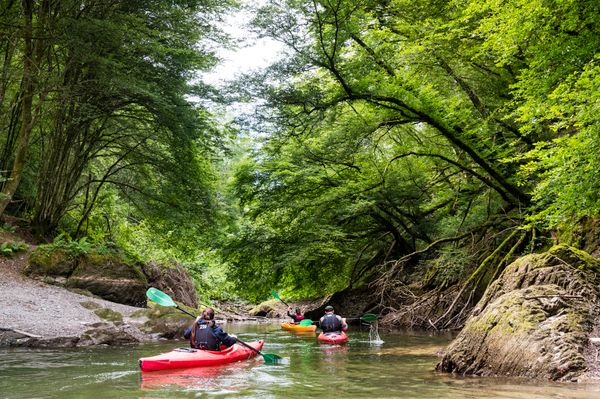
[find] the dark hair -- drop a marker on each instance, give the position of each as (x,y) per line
(208,314)
(298,311)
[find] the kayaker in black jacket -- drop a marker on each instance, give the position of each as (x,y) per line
(297,317)
(206,334)
(331,322)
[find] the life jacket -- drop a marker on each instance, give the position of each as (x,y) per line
(298,317)
(203,336)
(330,323)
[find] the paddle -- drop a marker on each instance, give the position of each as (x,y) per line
(163,299)
(276,296)
(368,317)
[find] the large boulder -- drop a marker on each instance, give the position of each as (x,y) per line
(110,277)
(173,280)
(534,321)
(53,263)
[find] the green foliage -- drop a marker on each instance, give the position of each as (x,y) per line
(10,248)
(7,227)
(75,247)
(567,169)
(450,266)
(386,138)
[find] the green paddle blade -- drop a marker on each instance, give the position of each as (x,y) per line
(369,317)
(271,358)
(306,322)
(275,295)
(160,297)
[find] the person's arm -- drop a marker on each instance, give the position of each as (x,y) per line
(187,333)
(222,336)
(344,324)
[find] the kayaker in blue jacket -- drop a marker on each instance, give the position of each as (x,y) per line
(206,334)
(297,317)
(331,322)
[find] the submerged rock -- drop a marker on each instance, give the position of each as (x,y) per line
(534,321)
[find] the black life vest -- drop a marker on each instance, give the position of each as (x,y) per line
(330,323)
(204,338)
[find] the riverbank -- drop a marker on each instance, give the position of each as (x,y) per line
(36,314)
(38,310)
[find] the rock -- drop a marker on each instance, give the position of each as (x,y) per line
(173,280)
(16,338)
(110,277)
(106,334)
(534,321)
(46,261)
(269,308)
(163,322)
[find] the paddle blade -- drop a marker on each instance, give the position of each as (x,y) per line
(306,322)
(275,295)
(271,358)
(369,317)
(160,297)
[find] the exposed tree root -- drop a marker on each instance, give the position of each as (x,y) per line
(442,308)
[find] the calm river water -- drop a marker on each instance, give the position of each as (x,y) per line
(401,367)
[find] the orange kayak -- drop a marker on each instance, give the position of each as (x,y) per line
(298,327)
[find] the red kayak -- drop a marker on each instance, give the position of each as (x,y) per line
(333,337)
(188,357)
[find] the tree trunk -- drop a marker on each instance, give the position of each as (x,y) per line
(26,110)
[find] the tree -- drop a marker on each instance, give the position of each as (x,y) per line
(118,109)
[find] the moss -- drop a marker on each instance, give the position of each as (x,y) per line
(51,262)
(576,257)
(91,305)
(109,314)
(265,308)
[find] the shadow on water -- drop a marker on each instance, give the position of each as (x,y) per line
(400,367)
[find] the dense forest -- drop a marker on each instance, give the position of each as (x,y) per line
(412,147)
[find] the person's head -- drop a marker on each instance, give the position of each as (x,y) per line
(298,311)
(208,314)
(328,309)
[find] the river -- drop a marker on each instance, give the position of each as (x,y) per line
(400,367)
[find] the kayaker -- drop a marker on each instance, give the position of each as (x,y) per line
(331,322)
(206,334)
(297,316)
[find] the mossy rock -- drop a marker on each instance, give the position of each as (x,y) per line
(90,305)
(537,332)
(173,280)
(576,258)
(56,262)
(110,277)
(533,321)
(266,309)
(109,314)
(164,321)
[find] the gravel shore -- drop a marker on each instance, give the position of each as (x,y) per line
(38,309)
